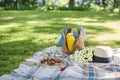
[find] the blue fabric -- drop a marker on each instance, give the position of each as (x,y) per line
(58,76)
(15,74)
(75,34)
(90,72)
(32,72)
(83,32)
(62,38)
(45,78)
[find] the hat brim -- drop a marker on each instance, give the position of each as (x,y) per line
(102,60)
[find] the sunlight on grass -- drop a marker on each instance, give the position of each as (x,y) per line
(104,37)
(31,16)
(46,38)
(13,39)
(40,23)
(9,25)
(113,24)
(7,18)
(83,21)
(112,14)
(79,19)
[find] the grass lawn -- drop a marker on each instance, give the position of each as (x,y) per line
(22,33)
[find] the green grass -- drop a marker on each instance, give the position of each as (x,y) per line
(22,33)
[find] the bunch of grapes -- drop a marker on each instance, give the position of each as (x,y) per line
(51,61)
(51,58)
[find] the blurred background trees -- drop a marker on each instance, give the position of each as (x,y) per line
(109,5)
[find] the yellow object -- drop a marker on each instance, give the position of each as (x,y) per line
(72,31)
(70,41)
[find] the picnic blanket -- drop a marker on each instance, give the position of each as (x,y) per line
(32,70)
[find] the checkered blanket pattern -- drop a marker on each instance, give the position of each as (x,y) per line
(91,71)
(75,70)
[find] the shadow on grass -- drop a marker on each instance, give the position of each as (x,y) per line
(90,43)
(22,47)
(115,43)
(58,27)
(17,47)
(48,29)
(14,52)
(97,29)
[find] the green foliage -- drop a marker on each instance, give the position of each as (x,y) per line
(46,5)
(108,5)
(80,8)
(18,4)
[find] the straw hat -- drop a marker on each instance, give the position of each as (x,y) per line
(102,54)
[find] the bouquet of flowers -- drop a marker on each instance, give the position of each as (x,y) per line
(82,55)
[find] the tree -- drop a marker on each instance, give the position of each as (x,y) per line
(116,3)
(71,3)
(18,4)
(43,2)
(108,5)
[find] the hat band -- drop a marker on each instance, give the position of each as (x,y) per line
(102,60)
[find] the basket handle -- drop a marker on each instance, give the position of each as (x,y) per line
(71,16)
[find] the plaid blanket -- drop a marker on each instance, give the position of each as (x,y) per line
(91,71)
(75,71)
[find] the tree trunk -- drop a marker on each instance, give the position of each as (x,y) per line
(44,1)
(71,3)
(103,3)
(115,4)
(18,4)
